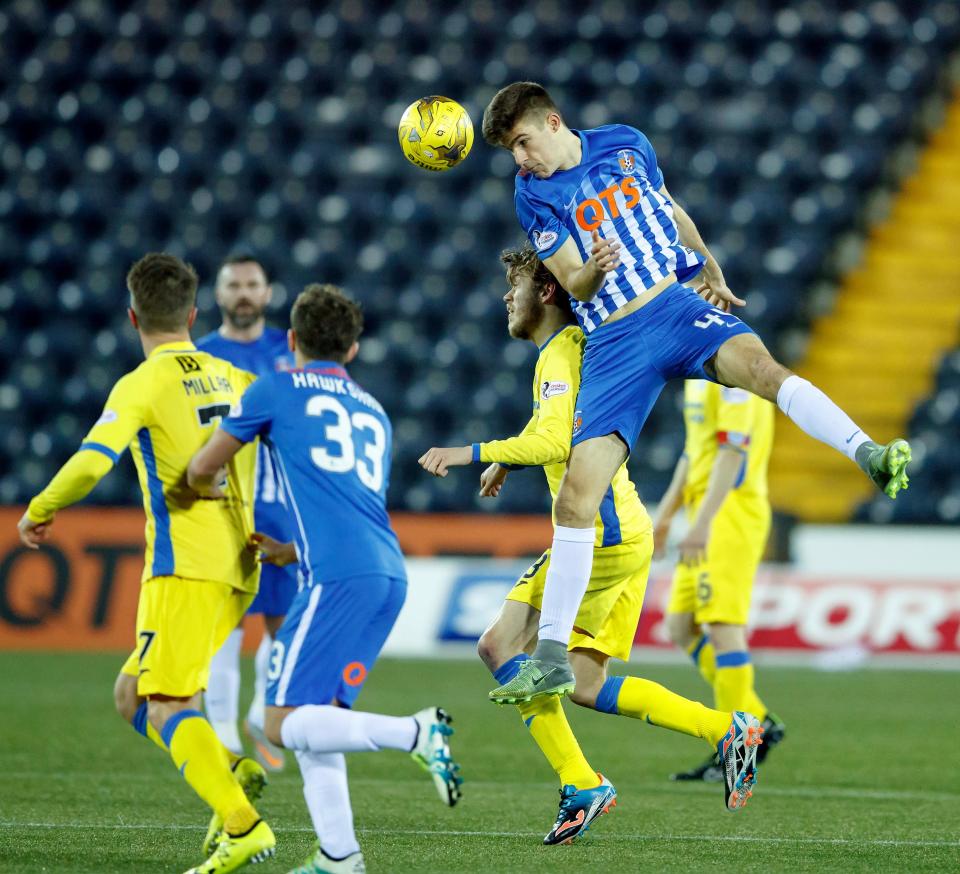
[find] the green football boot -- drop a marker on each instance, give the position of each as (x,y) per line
(535,679)
(252,778)
(886,465)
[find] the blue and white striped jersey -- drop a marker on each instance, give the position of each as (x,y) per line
(615,190)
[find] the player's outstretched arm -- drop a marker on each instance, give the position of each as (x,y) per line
(206,468)
(580,278)
(74,481)
(438,459)
(713,287)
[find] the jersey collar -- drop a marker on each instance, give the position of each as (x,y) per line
(333,368)
(177,346)
(554,334)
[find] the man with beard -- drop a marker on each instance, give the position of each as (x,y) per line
(244,339)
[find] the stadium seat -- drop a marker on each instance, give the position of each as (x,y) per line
(130,128)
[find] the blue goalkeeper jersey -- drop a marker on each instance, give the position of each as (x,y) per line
(615,189)
(331,442)
(267,354)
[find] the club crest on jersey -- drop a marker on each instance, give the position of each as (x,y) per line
(544,239)
(577,422)
(552,389)
(628,161)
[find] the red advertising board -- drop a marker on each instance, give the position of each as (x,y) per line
(794,611)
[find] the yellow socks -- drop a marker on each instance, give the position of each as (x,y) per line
(733,685)
(204,764)
(704,657)
(644,699)
(552,733)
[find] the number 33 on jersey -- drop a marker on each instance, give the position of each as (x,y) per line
(331,445)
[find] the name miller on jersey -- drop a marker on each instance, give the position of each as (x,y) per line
(334,385)
(206,385)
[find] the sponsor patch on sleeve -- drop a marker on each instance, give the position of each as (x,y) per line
(734,395)
(543,240)
(106,417)
(552,389)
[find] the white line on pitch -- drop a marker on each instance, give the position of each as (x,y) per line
(750,839)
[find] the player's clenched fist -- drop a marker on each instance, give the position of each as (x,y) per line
(438,459)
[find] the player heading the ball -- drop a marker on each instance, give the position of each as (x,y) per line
(594,205)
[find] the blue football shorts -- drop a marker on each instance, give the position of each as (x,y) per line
(331,639)
(626,364)
(278,586)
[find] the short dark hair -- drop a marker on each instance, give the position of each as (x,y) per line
(244,257)
(163,291)
(326,321)
(524,260)
(511,104)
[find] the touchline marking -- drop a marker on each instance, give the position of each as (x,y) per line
(456,833)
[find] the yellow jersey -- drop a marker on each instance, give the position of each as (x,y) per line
(715,415)
(165,410)
(546,439)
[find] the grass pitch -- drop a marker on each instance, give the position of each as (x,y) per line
(866,781)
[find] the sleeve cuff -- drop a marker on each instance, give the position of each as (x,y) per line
(476,452)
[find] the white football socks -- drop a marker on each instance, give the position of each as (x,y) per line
(571,560)
(328,799)
(261,662)
(323,728)
(813,412)
(222,698)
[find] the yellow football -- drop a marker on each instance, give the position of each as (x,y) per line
(435,133)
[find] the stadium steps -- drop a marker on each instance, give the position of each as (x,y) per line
(876,353)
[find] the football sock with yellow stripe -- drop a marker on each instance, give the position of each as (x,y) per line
(651,702)
(142,726)
(204,764)
(551,732)
(733,686)
(702,653)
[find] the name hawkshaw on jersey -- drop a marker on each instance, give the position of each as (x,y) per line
(334,385)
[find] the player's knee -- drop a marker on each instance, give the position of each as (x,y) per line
(125,697)
(491,649)
(680,629)
(585,695)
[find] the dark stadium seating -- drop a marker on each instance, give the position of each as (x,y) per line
(935,472)
(201,129)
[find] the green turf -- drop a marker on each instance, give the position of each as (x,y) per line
(867,781)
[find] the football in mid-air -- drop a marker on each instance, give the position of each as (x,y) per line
(435,133)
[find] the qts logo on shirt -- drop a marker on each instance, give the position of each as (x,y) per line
(594,211)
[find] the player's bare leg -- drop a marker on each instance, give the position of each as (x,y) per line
(590,469)
(744,362)
(269,755)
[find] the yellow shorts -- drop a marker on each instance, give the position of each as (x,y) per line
(181,623)
(610,610)
(719,588)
